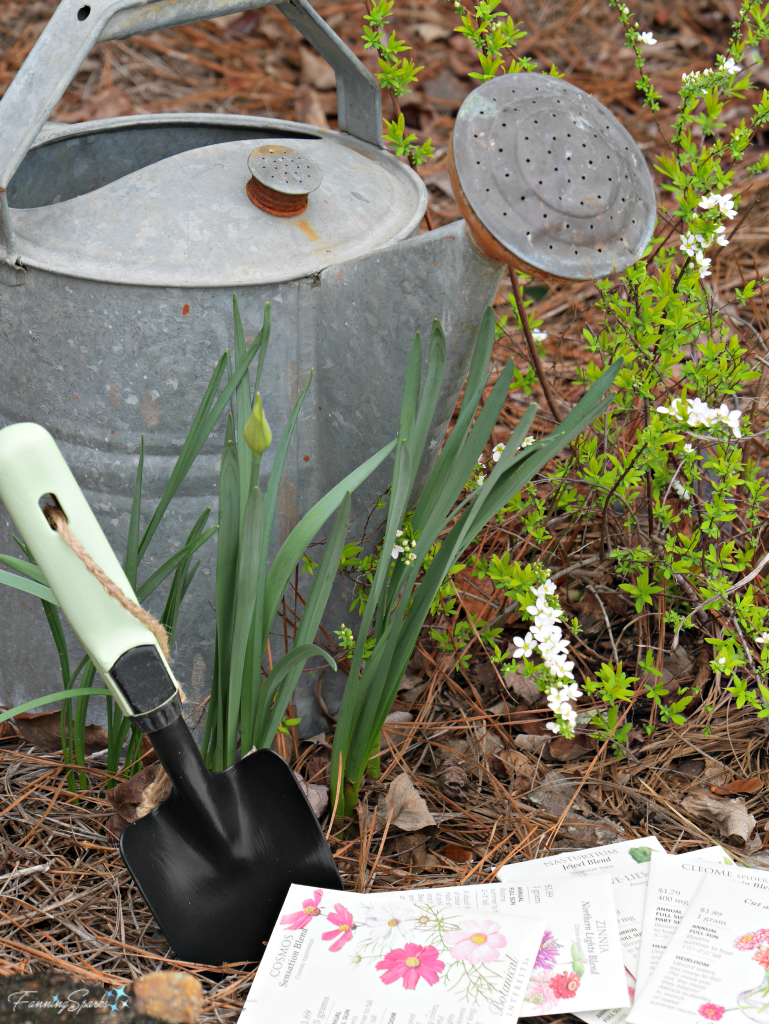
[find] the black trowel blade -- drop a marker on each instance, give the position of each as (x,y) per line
(215,875)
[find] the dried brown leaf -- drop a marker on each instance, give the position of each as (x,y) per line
(749,786)
(563,749)
(516,767)
(456,854)
(317,795)
(523,687)
(405,808)
(731,815)
(44,731)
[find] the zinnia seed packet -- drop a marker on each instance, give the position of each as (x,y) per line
(579,964)
(627,864)
(716,968)
(345,958)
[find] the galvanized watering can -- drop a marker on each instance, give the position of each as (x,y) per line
(122,241)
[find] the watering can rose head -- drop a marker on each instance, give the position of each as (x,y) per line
(257,433)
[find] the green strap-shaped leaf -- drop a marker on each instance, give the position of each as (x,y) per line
(203,423)
(26,568)
(51,698)
(477,378)
(27,586)
(131,564)
(272,705)
(248,572)
(283,669)
(153,582)
(227,542)
(296,542)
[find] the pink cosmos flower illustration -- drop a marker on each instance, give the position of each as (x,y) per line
(747,941)
(547,953)
(565,985)
(476,942)
(301,918)
(411,963)
(540,994)
(761,956)
(630,982)
(342,918)
(711,1011)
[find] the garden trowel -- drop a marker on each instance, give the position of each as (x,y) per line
(215,860)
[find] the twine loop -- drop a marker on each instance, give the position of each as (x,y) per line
(58,520)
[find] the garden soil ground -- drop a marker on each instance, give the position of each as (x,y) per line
(497,787)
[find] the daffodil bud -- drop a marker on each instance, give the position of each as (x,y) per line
(256,432)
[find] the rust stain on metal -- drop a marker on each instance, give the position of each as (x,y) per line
(149,410)
(276,203)
(305,228)
(115,397)
(185,309)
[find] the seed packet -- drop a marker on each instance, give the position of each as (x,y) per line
(610,858)
(717,965)
(627,864)
(579,964)
(673,881)
(344,958)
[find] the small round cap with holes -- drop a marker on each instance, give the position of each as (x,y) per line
(281,179)
(549,181)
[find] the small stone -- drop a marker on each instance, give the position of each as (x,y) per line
(171,996)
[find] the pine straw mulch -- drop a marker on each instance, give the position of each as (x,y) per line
(498,789)
(498,794)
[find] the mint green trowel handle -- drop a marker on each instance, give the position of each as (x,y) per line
(31,466)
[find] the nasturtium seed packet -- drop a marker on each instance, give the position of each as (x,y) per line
(346,958)
(612,858)
(579,963)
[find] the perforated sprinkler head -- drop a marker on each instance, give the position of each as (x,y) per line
(549,181)
(281,179)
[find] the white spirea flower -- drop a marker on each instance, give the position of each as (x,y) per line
(725,204)
(524,648)
(720,236)
(729,65)
(527,441)
(763,638)
(496,452)
(703,263)
(688,448)
(538,335)
(396,551)
(646,39)
(692,245)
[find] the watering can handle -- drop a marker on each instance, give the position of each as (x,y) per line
(124,651)
(76,26)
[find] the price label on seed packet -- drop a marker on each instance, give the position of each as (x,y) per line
(345,958)
(579,964)
(673,881)
(716,968)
